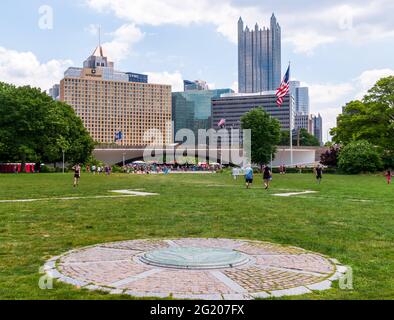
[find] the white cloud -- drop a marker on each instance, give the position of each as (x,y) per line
(356,21)
(222,14)
(23,68)
(307,41)
(329,93)
(174,79)
(368,79)
(123,40)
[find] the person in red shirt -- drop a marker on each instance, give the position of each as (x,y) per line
(388,176)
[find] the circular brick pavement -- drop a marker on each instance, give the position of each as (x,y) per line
(271,271)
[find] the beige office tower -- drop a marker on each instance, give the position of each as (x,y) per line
(110,102)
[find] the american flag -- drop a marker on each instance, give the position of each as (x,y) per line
(284,88)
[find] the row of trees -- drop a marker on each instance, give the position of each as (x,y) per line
(364,136)
(35,128)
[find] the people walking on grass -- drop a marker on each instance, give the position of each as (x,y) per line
(77,174)
(94,169)
(319,173)
(248,176)
(388,176)
(267,177)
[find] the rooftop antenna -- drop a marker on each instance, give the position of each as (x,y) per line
(99,36)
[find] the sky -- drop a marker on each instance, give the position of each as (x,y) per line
(337,48)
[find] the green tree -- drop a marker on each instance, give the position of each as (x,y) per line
(305,138)
(360,156)
(265,134)
(371,119)
(34,127)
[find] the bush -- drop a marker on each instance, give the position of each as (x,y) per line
(330,157)
(46,169)
(117,169)
(358,157)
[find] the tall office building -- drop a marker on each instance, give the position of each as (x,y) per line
(231,107)
(193,109)
(259,57)
(305,121)
(54,92)
(301,97)
(110,101)
(318,128)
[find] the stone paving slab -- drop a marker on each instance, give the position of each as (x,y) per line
(103,273)
(263,248)
(304,262)
(98,254)
(272,271)
(138,245)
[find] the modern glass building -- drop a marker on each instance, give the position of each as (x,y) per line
(318,128)
(302,100)
(259,57)
(301,97)
(192,109)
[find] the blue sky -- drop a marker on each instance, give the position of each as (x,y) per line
(337,48)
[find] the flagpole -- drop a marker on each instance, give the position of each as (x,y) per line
(291,123)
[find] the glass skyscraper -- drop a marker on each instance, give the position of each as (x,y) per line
(259,57)
(318,128)
(193,109)
(301,97)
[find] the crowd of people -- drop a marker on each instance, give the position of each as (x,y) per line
(99,169)
(247,172)
(137,168)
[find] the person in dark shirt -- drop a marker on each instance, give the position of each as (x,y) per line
(267,177)
(77,174)
(319,174)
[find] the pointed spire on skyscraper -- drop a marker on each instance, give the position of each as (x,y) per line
(98,52)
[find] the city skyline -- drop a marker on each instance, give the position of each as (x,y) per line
(323,46)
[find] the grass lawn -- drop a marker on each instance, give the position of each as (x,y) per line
(333,222)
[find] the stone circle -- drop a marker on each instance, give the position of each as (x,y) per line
(208,269)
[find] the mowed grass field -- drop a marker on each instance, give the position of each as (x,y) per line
(351,218)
